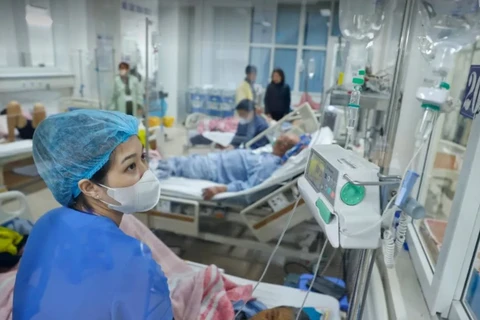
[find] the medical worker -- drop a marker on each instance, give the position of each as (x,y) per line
(250,125)
(77,263)
(127,92)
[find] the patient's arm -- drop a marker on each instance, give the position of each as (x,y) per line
(257,175)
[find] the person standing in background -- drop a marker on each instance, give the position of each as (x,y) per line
(246,90)
(127,92)
(277,97)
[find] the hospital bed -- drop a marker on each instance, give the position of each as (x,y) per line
(263,210)
(12,151)
(22,149)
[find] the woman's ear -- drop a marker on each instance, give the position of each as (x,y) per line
(90,189)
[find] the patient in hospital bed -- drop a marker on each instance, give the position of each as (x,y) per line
(235,170)
(23,122)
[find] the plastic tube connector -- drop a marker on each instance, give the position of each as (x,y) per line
(414,209)
(406,187)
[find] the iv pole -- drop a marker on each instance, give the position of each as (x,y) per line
(367,258)
(148,22)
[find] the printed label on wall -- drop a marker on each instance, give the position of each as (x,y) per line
(471,101)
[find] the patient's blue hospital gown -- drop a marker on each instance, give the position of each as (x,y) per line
(237,169)
(82,266)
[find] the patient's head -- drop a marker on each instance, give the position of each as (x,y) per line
(284,143)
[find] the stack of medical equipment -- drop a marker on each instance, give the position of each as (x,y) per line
(214,102)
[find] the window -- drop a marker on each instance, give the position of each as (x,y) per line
(40,37)
(315,84)
(262,25)
(260,57)
(316,26)
(288,24)
(288,37)
(286,60)
(472,291)
(29,42)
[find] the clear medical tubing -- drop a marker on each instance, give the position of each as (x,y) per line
(448,26)
(425,126)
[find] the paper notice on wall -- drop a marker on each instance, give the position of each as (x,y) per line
(105,52)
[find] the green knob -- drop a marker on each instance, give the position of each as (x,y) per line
(352,194)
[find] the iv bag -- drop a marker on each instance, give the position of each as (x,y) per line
(361,20)
(311,68)
(448,26)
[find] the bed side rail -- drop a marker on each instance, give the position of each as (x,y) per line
(175,222)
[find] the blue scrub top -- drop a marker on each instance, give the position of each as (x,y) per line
(82,266)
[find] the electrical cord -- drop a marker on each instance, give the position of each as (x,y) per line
(317,267)
(332,256)
(273,253)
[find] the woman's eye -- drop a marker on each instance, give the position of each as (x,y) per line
(144,156)
(132,166)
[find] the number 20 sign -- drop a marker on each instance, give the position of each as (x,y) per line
(471,100)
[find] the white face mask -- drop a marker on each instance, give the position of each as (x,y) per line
(245,121)
(140,197)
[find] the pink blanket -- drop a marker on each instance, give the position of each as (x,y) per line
(202,295)
(222,125)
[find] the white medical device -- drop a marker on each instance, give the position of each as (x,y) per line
(341,191)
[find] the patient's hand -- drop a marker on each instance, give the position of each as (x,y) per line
(209,193)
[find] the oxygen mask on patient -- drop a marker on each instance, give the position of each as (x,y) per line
(140,197)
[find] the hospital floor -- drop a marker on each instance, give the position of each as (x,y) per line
(235,261)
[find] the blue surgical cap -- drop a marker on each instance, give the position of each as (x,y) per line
(72,146)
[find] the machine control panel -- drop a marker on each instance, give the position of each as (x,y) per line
(322,176)
(340,190)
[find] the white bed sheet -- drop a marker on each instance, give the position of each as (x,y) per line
(222,138)
(192,188)
(15,148)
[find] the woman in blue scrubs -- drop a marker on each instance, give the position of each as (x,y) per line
(77,263)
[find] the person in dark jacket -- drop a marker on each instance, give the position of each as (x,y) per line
(251,124)
(277,97)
